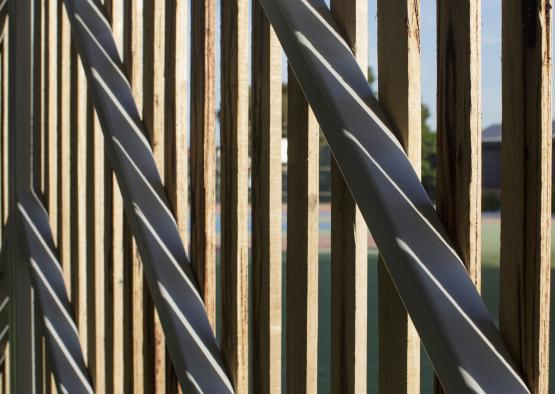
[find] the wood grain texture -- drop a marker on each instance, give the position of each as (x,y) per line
(266,205)
(142,309)
(203,152)
(177,120)
(459,128)
(3,142)
(39,99)
(154,115)
(5,112)
(119,378)
(302,242)
(54,8)
(64,151)
(349,234)
(102,241)
(526,187)
(459,143)
(399,94)
(234,192)
(83,204)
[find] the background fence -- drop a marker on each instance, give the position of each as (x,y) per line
(260,296)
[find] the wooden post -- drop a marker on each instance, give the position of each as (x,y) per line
(266,205)
(234,178)
(399,93)
(118,308)
(20,180)
(52,111)
(154,113)
(349,238)
(65,89)
(459,142)
(142,309)
(302,242)
(203,151)
(526,188)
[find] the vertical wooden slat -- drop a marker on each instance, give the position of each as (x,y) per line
(20,85)
(234,180)
(52,111)
(399,94)
(64,151)
(142,308)
(458,192)
(101,258)
(39,98)
(5,141)
(176,148)
(120,247)
(459,128)
(302,242)
(203,151)
(53,9)
(155,121)
(81,226)
(266,205)
(349,234)
(101,239)
(526,187)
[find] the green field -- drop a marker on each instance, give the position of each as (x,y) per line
(490,293)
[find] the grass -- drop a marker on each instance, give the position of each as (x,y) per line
(490,294)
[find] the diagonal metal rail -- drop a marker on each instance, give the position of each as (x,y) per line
(62,337)
(191,343)
(455,326)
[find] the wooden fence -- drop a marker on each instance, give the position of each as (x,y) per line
(111,106)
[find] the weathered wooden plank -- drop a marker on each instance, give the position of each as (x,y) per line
(234,192)
(102,241)
(20,123)
(266,205)
(5,112)
(176,149)
(39,85)
(154,114)
(54,8)
(458,191)
(203,151)
(121,244)
(349,235)
(459,128)
(399,94)
(82,262)
(142,312)
(65,90)
(302,242)
(526,186)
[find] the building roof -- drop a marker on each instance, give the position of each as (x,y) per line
(493,133)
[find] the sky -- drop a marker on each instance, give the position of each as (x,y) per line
(491,57)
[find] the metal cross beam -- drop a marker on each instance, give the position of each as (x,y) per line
(454,324)
(191,342)
(62,337)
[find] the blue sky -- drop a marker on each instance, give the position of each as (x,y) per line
(491,57)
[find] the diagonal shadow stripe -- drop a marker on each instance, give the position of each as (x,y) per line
(456,329)
(62,338)
(192,346)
